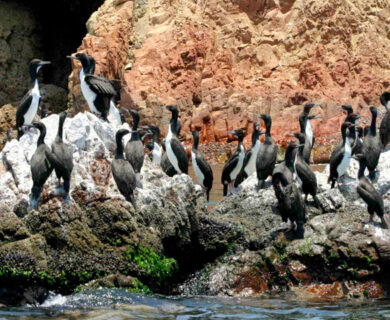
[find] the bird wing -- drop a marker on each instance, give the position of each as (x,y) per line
(229,166)
(205,168)
(181,154)
(101,86)
(23,107)
(305,173)
(123,174)
(266,156)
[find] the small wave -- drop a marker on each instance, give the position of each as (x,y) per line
(54,300)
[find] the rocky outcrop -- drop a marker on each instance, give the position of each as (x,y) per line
(340,256)
(63,245)
(222,60)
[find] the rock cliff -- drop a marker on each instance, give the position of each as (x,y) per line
(222,60)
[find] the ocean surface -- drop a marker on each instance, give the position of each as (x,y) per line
(116,304)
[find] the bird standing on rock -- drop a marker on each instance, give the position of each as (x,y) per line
(306,177)
(233,166)
(202,169)
(61,157)
(40,166)
(174,149)
(371,149)
(28,107)
(340,157)
(122,170)
(354,141)
(289,197)
(266,157)
(385,124)
(374,200)
(134,149)
(249,166)
(99,92)
(166,165)
(304,121)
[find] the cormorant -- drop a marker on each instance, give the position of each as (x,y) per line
(266,157)
(385,124)
(61,157)
(40,166)
(28,107)
(202,169)
(373,199)
(122,170)
(234,165)
(304,122)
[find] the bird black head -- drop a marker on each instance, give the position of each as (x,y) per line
(360,131)
(309,106)
(195,133)
(353,117)
(39,125)
(298,135)
(121,133)
(238,133)
(63,115)
(373,110)
(256,126)
(385,98)
(35,65)
(42,129)
(83,58)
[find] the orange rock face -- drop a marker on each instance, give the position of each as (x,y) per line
(222,61)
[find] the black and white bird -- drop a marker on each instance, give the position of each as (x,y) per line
(341,157)
(249,166)
(202,169)
(373,198)
(99,92)
(122,170)
(61,157)
(355,142)
(305,175)
(384,129)
(174,149)
(234,165)
(304,121)
(289,197)
(371,149)
(166,165)
(28,107)
(40,166)
(266,157)
(134,149)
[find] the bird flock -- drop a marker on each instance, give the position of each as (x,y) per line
(291,179)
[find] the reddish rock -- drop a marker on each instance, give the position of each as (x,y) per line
(220,61)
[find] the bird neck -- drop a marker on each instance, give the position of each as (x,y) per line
(373,123)
(119,147)
(173,126)
(302,121)
(61,127)
(134,136)
(290,157)
(268,129)
(34,75)
(344,135)
(135,122)
(196,142)
(41,139)
(255,137)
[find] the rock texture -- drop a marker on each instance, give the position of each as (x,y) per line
(99,233)
(340,256)
(222,60)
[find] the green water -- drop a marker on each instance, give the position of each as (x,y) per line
(115,304)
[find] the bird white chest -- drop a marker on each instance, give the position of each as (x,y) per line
(114,116)
(309,132)
(171,155)
(199,174)
(33,108)
(237,169)
(157,153)
(344,164)
(251,165)
(88,94)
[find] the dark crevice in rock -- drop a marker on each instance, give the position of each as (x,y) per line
(58,28)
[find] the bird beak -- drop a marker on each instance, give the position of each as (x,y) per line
(42,63)
(317,105)
(300,145)
(316,117)
(339,107)
(257,115)
(366,107)
(145,127)
(290,135)
(72,57)
(165,121)
(162,107)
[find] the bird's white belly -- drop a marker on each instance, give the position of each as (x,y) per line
(171,155)
(33,108)
(251,165)
(309,132)
(88,94)
(343,166)
(114,116)
(199,174)
(157,153)
(237,169)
